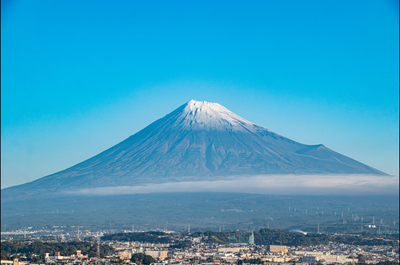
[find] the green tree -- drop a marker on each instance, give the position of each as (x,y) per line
(142,259)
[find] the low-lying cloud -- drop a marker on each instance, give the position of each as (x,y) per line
(268,184)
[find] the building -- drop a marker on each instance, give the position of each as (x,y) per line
(157,254)
(13,262)
(251,239)
(277,249)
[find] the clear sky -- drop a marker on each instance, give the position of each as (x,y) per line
(78,77)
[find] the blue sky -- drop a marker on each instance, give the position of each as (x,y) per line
(80,76)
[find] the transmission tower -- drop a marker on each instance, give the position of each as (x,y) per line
(98,248)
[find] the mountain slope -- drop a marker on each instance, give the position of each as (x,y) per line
(197,141)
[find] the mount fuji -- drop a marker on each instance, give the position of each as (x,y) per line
(197,141)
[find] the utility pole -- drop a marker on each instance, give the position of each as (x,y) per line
(318,228)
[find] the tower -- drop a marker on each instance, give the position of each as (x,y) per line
(98,248)
(251,239)
(318,228)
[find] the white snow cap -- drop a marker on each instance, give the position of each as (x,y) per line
(209,115)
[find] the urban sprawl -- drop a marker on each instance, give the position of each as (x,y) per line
(189,248)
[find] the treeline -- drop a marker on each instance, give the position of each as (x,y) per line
(150,237)
(360,241)
(215,237)
(282,237)
(263,237)
(36,250)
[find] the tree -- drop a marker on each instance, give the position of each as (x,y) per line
(142,259)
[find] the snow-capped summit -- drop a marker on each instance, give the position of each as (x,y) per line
(197,141)
(203,115)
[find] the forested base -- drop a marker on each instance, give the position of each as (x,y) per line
(262,237)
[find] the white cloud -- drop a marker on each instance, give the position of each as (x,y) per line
(269,184)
